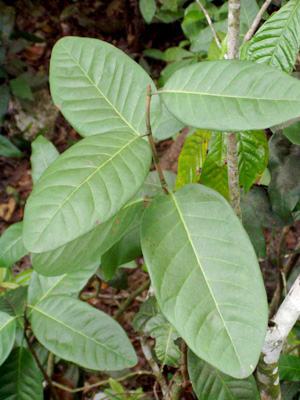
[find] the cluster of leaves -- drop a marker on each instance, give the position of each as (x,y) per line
(87,205)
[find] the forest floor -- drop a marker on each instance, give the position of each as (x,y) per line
(119,23)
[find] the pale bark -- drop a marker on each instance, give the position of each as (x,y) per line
(256,21)
(284,320)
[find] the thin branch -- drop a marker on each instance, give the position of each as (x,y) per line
(154,366)
(293,348)
(287,269)
(100,383)
(209,23)
(51,387)
(131,298)
(184,369)
(256,21)
(151,142)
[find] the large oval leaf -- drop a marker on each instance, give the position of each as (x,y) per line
(7,334)
(232,95)
(41,286)
(211,384)
(98,87)
(70,257)
(84,187)
(277,41)
(82,334)
(20,377)
(206,277)
(11,245)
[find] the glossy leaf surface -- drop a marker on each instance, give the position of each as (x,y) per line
(42,155)
(70,257)
(241,94)
(7,335)
(206,277)
(277,41)
(41,286)
(191,158)
(126,249)
(11,245)
(214,172)
(292,132)
(82,334)
(20,377)
(284,166)
(289,368)
(84,187)
(99,88)
(211,384)
(253,155)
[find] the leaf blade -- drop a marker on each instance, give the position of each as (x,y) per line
(193,298)
(244,96)
(11,244)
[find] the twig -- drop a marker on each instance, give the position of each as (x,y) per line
(287,269)
(130,299)
(209,23)
(100,383)
(151,142)
(293,348)
(184,369)
(256,21)
(51,387)
(154,366)
(50,364)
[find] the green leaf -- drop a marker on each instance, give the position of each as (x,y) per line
(211,384)
(214,51)
(292,132)
(165,335)
(154,53)
(166,126)
(254,228)
(150,320)
(206,277)
(241,94)
(152,185)
(99,88)
(253,156)
(20,88)
(147,311)
(7,149)
(169,70)
(214,171)
(289,390)
(176,53)
(147,8)
(277,41)
(258,199)
(249,10)
(201,38)
(7,335)
(42,155)
(289,368)
(70,257)
(126,249)
(12,303)
(41,287)
(191,158)
(284,189)
(85,186)
(101,343)
(4,101)
(20,377)
(11,244)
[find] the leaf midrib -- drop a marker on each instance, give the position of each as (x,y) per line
(88,338)
(199,263)
(101,93)
(234,97)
